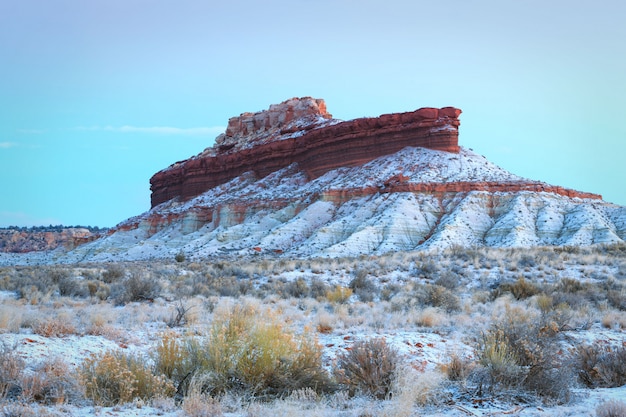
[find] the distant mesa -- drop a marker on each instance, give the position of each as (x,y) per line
(292,181)
(300,130)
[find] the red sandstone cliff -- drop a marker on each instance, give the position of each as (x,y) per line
(302,131)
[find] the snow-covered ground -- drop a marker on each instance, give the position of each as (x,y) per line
(425,337)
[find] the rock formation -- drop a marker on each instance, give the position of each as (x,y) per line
(23,241)
(292,181)
(301,131)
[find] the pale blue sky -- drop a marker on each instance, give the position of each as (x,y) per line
(98,95)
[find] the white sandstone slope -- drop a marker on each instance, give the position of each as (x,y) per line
(351,212)
(283,214)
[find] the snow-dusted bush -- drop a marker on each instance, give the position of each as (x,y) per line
(601,366)
(521,351)
(611,408)
(11,368)
(52,383)
(139,286)
(369,367)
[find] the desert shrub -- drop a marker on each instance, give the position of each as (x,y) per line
(368,368)
(58,326)
(72,287)
(520,289)
(339,294)
(117,378)
(438,296)
(389,291)
(113,273)
(298,288)
(617,299)
(318,288)
(138,286)
(611,408)
(11,368)
(572,286)
(448,279)
(522,351)
(180,315)
(180,257)
(229,286)
(526,261)
(427,269)
(600,366)
(363,286)
(198,403)
(458,368)
(52,383)
(499,360)
(252,351)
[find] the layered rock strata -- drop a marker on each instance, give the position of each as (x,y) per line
(302,131)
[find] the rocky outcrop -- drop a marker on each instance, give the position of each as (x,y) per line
(23,241)
(301,131)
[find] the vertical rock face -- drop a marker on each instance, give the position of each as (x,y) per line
(300,130)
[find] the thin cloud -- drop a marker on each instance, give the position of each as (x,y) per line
(7,145)
(158,130)
(31,131)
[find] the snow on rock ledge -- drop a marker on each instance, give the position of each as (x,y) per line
(301,131)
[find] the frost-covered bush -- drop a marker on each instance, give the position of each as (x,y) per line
(601,366)
(369,367)
(521,351)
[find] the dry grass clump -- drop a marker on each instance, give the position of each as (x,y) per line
(57,326)
(174,357)
(249,351)
(11,368)
(369,367)
(614,319)
(118,378)
(339,295)
(458,368)
(520,289)
(11,317)
(413,388)
(198,403)
(611,408)
(52,383)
